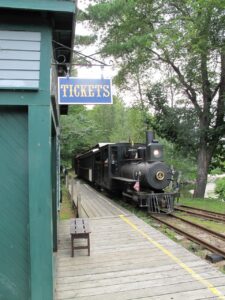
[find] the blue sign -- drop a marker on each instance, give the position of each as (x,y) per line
(73,90)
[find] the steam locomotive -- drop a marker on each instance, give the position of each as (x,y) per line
(135,170)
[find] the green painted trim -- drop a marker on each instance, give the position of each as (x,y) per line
(29,98)
(4,88)
(54,191)
(46,57)
(38,24)
(40,203)
(40,5)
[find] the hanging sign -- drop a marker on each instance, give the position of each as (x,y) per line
(73,90)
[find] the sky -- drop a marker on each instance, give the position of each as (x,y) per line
(93,72)
(127,96)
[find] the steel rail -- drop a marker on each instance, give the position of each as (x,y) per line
(216,234)
(192,237)
(205,214)
(203,210)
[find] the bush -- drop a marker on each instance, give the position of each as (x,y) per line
(220,187)
(180,163)
(216,171)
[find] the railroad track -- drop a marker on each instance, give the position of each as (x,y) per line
(201,213)
(207,238)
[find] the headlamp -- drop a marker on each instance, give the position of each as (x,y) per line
(156,153)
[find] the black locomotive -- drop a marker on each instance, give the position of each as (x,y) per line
(135,170)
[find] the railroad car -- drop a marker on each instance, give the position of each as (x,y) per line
(135,170)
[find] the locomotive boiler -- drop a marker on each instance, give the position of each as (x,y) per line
(137,171)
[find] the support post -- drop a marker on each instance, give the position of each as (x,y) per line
(40,204)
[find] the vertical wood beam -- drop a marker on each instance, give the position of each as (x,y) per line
(40,203)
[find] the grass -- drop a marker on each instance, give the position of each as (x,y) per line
(216,205)
(216,226)
(169,232)
(67,211)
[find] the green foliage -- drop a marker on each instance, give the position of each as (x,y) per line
(218,163)
(216,171)
(103,118)
(184,164)
(180,126)
(216,226)
(66,210)
(76,128)
(129,125)
(220,187)
(177,124)
(215,205)
(185,39)
(84,128)
(85,40)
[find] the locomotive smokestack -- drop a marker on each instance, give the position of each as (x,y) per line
(149,137)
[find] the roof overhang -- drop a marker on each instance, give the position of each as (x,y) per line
(62,15)
(67,6)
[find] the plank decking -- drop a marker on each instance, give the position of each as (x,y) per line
(131,260)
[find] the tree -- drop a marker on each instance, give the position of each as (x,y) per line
(103,117)
(185,36)
(84,128)
(77,131)
(178,124)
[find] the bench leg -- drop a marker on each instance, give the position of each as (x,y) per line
(72,248)
(88,244)
(83,247)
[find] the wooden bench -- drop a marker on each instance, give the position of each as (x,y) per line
(79,229)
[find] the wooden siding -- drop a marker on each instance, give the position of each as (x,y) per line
(19,59)
(14,219)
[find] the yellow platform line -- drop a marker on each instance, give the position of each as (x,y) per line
(195,275)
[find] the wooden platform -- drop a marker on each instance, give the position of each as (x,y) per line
(93,203)
(129,260)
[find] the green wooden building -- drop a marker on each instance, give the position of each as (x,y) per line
(33,36)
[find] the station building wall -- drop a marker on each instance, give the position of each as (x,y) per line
(28,155)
